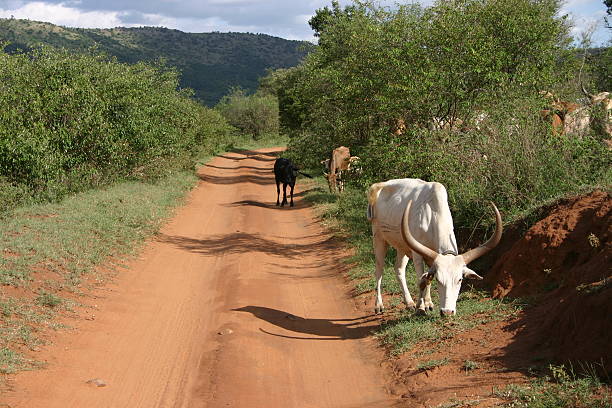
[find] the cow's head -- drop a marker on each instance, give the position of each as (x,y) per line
(448,268)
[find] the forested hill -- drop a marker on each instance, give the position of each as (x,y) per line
(210,63)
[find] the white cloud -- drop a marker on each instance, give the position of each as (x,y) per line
(287,19)
(63,15)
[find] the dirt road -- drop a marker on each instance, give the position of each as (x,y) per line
(237,303)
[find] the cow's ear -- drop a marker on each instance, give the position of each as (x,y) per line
(470,274)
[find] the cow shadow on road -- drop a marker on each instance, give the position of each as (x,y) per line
(328,329)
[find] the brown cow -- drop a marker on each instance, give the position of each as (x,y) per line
(567,118)
(338,163)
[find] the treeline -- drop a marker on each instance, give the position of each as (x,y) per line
(70,122)
(210,63)
(450,93)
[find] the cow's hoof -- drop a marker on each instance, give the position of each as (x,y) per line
(411,306)
(379,309)
(420,312)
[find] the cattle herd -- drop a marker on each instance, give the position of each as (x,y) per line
(414,217)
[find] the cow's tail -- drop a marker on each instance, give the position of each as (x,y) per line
(373,192)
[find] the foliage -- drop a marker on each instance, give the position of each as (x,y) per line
(70,122)
(563,389)
(464,76)
(255,115)
(211,63)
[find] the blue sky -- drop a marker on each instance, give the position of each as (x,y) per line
(282,18)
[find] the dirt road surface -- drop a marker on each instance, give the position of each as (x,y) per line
(237,303)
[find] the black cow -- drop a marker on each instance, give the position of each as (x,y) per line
(285,172)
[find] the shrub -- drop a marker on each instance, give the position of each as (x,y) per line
(70,122)
(255,115)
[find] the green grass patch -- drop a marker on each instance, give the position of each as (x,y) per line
(562,389)
(71,237)
(48,299)
(429,364)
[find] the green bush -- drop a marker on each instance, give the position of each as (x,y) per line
(255,115)
(69,122)
(477,66)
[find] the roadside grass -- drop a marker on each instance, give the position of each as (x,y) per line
(429,364)
(47,249)
(562,389)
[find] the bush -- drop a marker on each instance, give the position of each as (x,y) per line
(71,122)
(255,115)
(474,66)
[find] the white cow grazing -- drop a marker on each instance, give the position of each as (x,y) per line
(413,216)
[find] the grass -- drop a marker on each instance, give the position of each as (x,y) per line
(562,389)
(429,364)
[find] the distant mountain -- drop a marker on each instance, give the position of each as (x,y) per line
(211,63)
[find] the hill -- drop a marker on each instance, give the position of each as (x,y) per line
(211,63)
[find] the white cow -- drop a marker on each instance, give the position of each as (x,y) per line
(424,233)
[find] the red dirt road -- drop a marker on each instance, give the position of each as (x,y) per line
(237,303)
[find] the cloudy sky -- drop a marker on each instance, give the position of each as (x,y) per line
(282,18)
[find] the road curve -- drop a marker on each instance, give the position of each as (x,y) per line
(236,303)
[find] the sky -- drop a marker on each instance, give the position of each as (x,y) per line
(280,18)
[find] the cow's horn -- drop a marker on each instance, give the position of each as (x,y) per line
(427,253)
(476,253)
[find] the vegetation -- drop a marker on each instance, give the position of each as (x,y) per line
(72,122)
(211,63)
(563,389)
(464,77)
(254,115)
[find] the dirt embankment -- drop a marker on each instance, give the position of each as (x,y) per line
(564,264)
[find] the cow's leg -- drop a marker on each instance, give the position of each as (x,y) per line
(340,182)
(277,192)
(284,194)
(401,260)
(380,250)
(292,185)
(424,303)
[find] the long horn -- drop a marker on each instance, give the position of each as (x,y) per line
(476,253)
(427,253)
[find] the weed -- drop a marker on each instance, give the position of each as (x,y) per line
(48,299)
(563,390)
(469,365)
(10,361)
(429,364)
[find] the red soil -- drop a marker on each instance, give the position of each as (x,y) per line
(564,261)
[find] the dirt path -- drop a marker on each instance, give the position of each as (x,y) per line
(237,304)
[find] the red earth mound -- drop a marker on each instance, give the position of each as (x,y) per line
(563,262)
